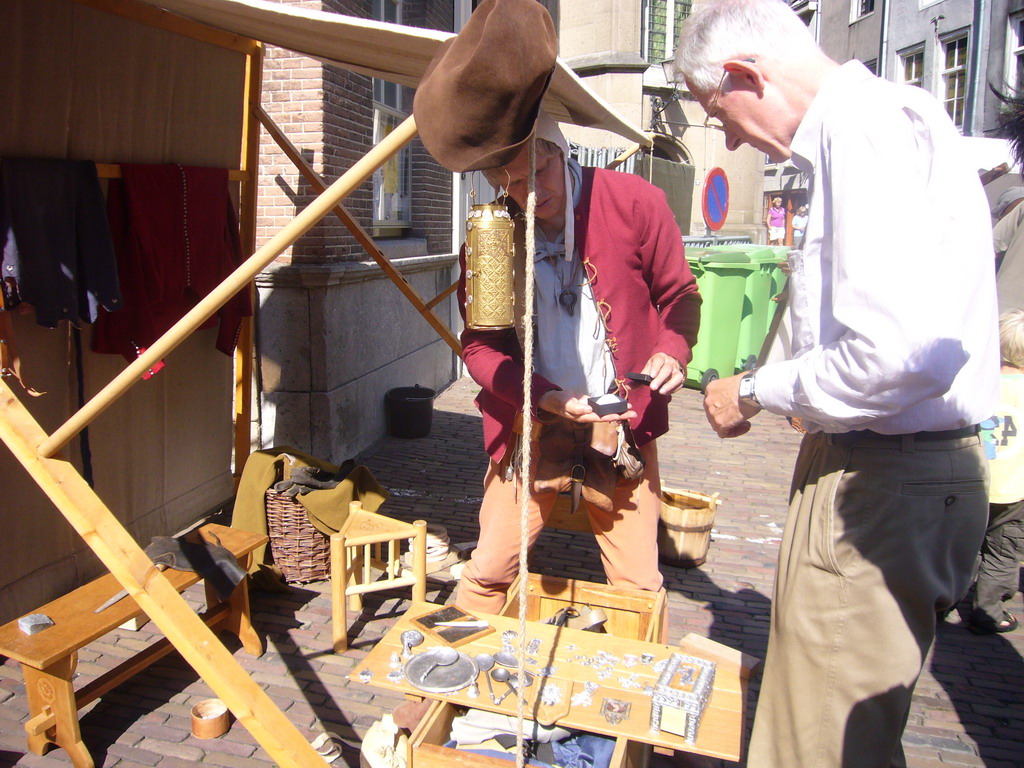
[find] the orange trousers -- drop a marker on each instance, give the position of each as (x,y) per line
(628,536)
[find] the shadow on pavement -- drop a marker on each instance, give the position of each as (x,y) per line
(983,675)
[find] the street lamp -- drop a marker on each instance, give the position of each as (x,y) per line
(668,66)
(658,103)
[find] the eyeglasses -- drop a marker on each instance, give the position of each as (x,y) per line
(714,122)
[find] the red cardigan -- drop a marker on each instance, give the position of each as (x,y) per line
(633,251)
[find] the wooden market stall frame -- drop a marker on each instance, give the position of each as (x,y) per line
(39,452)
(79,503)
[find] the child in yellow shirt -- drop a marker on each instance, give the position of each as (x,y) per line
(998,572)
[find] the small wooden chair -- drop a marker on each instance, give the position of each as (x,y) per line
(360,546)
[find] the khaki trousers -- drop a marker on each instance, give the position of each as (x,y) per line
(628,536)
(879,537)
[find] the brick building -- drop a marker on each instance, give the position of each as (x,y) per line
(334,332)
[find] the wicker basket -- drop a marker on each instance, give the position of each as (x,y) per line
(301,551)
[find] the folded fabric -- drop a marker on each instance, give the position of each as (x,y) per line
(477,726)
(579,750)
(584,750)
(176,236)
(306,479)
(58,254)
(215,563)
(327,509)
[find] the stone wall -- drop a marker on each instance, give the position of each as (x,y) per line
(333,332)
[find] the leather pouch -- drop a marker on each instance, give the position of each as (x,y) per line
(587,460)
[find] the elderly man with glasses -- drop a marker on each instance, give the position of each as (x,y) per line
(894,362)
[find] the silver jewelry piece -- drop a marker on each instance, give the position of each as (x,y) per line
(365,675)
(550,694)
(629,681)
(585,697)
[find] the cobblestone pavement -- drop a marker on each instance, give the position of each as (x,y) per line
(968,708)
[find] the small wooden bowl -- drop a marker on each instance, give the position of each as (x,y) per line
(210,719)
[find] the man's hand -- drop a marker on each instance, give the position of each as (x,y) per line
(727,415)
(576,407)
(666,372)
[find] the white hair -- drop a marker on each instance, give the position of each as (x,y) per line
(721,30)
(1011,337)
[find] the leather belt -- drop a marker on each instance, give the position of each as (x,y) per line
(863,436)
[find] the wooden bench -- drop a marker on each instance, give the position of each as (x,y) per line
(48,658)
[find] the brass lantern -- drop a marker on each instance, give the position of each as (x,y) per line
(489,248)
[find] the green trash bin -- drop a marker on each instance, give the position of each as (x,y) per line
(779,278)
(757,304)
(721,277)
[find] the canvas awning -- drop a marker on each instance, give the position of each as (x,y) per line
(392,52)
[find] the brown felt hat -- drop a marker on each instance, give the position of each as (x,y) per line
(479,99)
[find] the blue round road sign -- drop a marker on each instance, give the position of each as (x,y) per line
(715,201)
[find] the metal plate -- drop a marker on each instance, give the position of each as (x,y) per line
(421,672)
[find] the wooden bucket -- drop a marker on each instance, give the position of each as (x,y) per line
(684,533)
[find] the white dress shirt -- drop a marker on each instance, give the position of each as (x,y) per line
(892,299)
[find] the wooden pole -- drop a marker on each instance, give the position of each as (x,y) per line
(233,283)
(155,595)
(361,234)
(247,204)
(443,295)
(623,157)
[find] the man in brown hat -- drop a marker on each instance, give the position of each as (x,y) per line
(613,294)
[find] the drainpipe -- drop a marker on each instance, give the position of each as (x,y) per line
(883,41)
(974,80)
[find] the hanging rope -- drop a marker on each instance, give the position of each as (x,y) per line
(526,457)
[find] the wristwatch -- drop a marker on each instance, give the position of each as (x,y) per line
(747,392)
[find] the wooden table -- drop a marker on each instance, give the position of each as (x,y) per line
(721,730)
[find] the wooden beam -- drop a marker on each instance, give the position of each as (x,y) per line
(113,171)
(232,284)
(248,214)
(126,560)
(144,659)
(442,295)
(623,157)
(169,22)
(360,234)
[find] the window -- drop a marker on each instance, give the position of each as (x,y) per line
(1015,53)
(392,182)
(954,78)
(805,9)
(913,67)
(861,8)
(662,20)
